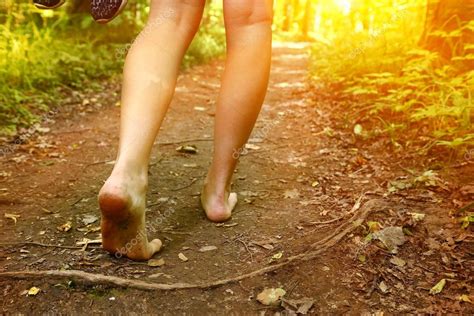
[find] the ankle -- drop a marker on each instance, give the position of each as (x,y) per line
(133,171)
(215,187)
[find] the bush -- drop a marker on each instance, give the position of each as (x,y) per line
(398,89)
(42,51)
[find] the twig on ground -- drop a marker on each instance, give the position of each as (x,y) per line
(185,141)
(246,247)
(354,209)
(327,222)
(99,163)
(77,201)
(167,231)
(71,132)
(32,243)
(186,186)
(372,287)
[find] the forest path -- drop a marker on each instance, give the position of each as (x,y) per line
(300,168)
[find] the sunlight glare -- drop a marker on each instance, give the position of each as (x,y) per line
(345,5)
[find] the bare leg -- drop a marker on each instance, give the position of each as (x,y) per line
(150,75)
(244,84)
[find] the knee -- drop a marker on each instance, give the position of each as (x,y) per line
(248,12)
(184,15)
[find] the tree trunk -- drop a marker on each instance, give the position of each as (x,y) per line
(288,15)
(446,16)
(308,18)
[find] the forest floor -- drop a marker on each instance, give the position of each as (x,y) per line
(310,194)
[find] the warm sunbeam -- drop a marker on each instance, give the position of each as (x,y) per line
(344,5)
(236,157)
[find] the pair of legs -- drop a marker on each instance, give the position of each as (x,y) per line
(150,75)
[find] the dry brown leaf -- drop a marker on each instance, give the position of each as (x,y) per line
(156,262)
(13,217)
(271,296)
(65,227)
(182,257)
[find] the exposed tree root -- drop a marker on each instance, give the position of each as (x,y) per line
(32,243)
(185,141)
(316,249)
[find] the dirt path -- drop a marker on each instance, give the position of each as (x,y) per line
(303,166)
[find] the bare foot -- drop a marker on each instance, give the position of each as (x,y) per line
(122,203)
(218,207)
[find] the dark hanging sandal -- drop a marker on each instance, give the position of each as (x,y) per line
(48,4)
(104,11)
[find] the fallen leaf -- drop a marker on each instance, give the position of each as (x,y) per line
(394,186)
(65,227)
(271,296)
(277,255)
(182,257)
(33,291)
(248,193)
(187,149)
(264,244)
(374,226)
(230,225)
(391,237)
(207,248)
(465,298)
(5,175)
(190,165)
(54,155)
(47,211)
(156,262)
(467,190)
(89,219)
(383,287)
(429,178)
(251,146)
(398,261)
(417,217)
(358,129)
(155,275)
(87,241)
(438,287)
(291,194)
(43,130)
(13,217)
(301,306)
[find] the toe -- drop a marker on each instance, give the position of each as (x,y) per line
(155,246)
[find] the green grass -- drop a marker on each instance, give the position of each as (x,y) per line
(393,88)
(39,55)
(35,61)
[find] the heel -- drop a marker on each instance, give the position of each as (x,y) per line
(113,206)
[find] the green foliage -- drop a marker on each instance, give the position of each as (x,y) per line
(406,92)
(35,61)
(42,52)
(209,41)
